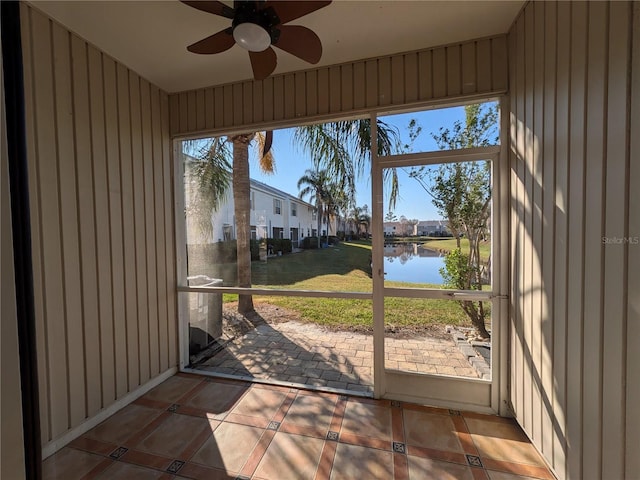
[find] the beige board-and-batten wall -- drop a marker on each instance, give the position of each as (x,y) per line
(575,224)
(102,226)
(445,74)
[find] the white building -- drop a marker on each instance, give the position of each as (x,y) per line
(273,214)
(422,228)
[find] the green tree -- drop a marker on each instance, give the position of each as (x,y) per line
(318,186)
(390,217)
(462,194)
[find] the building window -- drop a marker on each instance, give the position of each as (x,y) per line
(253,200)
(227,233)
(294,210)
(277,206)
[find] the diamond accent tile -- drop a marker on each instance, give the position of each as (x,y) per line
(399,447)
(273,426)
(344,397)
(175,466)
(242,477)
(331,435)
(454,412)
(396,403)
(118,452)
(474,460)
(173,408)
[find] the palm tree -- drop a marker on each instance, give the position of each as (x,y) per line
(214,172)
(317,185)
(344,149)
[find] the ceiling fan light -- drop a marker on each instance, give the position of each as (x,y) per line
(251,36)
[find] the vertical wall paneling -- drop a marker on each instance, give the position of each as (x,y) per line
(238,109)
(573,224)
(289,96)
(469,68)
(411,91)
(397,79)
(69,222)
(201,118)
(300,84)
(86,214)
(335,94)
(425,75)
(498,58)
(632,433)
(440,71)
(372,88)
(454,70)
(209,111)
(346,87)
(160,245)
(616,172)
(50,241)
(483,64)
(538,350)
(28,58)
(150,221)
(169,230)
(311,88)
(102,215)
(102,232)
(557,91)
(247,103)
(227,109)
(575,270)
(116,225)
(596,129)
(546,55)
(384,81)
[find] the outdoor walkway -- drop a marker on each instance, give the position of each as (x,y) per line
(311,355)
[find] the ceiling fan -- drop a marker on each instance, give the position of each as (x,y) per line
(256,26)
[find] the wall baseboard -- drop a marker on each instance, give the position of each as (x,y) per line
(54,445)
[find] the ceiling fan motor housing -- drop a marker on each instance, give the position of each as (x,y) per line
(266,18)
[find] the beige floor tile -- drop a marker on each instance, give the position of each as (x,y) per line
(69,464)
(260,402)
(506,476)
(502,441)
(311,410)
(367,420)
(117,428)
(430,430)
(354,462)
(290,456)
(217,397)
(173,436)
(172,389)
(427,469)
(229,447)
(125,471)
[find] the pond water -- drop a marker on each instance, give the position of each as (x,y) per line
(410,262)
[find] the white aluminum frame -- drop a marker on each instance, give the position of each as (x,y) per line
(438,390)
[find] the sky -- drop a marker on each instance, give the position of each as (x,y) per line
(414,203)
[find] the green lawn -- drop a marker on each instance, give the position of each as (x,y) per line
(448,244)
(345,267)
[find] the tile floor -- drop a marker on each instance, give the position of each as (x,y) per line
(191,427)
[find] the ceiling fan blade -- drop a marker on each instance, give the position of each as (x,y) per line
(263,63)
(288,10)
(216,43)
(301,42)
(211,6)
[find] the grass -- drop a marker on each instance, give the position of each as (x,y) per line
(345,267)
(448,244)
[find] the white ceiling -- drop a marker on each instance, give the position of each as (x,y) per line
(151,36)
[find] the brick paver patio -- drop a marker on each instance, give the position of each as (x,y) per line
(310,355)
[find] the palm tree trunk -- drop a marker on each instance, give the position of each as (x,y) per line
(242,210)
